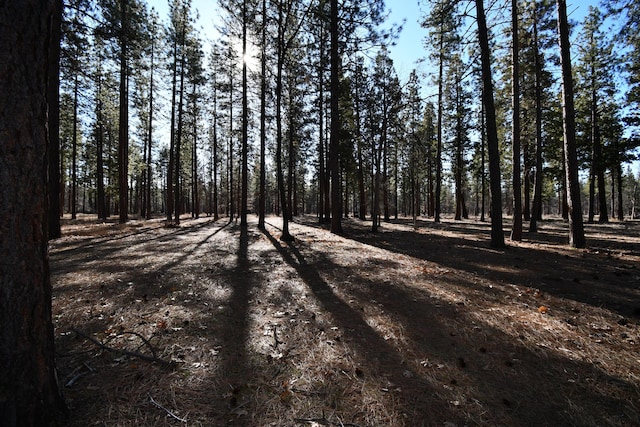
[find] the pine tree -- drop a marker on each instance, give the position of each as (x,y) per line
(595,71)
(31,395)
(516,230)
(576,228)
(443,22)
(497,235)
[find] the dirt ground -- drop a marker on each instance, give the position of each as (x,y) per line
(206,325)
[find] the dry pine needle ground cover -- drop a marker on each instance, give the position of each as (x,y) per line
(205,325)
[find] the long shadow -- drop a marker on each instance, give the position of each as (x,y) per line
(416,394)
(508,378)
(87,247)
(587,277)
(147,247)
(503,370)
(237,367)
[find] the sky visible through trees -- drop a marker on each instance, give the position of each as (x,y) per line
(343,132)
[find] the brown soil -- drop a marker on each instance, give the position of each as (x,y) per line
(205,325)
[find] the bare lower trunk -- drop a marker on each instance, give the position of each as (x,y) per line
(29,393)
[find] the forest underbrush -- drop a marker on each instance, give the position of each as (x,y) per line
(417,325)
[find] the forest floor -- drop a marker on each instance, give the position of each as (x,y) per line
(203,324)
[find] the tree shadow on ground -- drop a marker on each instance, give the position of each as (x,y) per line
(381,359)
(590,277)
(483,368)
(431,360)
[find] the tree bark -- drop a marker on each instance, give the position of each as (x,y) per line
(536,213)
(74,152)
(263,121)
(438,186)
(53,98)
(147,201)
(177,191)
(172,131)
(29,393)
(334,138)
(497,235)
(576,227)
(123,132)
(245,123)
(516,229)
(286,236)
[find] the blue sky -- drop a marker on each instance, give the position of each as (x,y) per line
(409,48)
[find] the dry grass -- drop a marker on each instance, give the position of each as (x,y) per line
(401,328)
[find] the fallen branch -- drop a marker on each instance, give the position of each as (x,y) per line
(144,340)
(182,420)
(124,352)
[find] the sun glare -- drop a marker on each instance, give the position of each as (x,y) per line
(251,58)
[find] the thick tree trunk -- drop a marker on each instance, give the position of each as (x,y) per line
(29,393)
(497,235)
(576,227)
(53,99)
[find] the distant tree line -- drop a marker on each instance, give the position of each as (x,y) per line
(296,107)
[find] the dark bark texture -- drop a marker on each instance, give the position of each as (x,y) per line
(28,388)
(497,235)
(576,227)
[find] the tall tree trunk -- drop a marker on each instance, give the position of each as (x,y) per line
(195,204)
(536,213)
(123,133)
(230,192)
(286,236)
(334,138)
(362,209)
(438,159)
(385,172)
(149,176)
(215,155)
(598,162)
(53,99)
(263,121)
(321,108)
(29,391)
(618,172)
(101,204)
(172,131)
(73,200)
(516,229)
(177,191)
(245,123)
(576,227)
(497,235)
(483,174)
